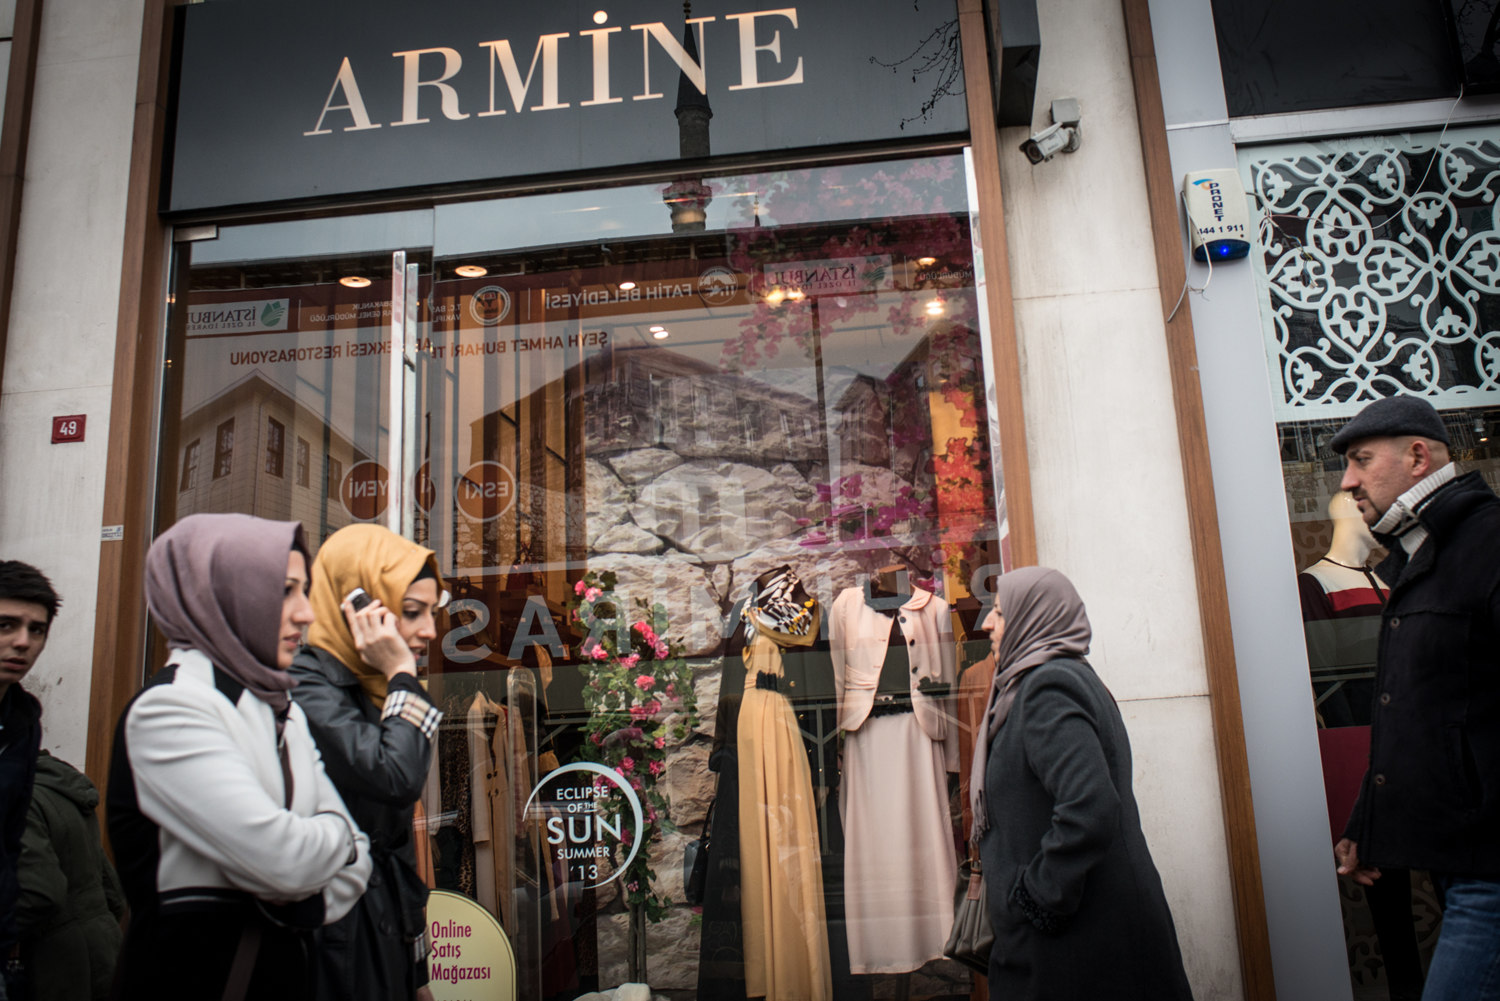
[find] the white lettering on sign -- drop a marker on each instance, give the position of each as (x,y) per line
(579,829)
(759,36)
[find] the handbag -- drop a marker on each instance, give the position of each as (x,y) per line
(972,937)
(695,861)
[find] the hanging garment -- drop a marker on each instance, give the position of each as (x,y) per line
(899,854)
(786,938)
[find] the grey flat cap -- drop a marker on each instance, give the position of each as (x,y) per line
(1389,418)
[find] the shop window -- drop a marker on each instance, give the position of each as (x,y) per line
(224,449)
(304,461)
(671,416)
(1378,270)
(275,447)
(189,466)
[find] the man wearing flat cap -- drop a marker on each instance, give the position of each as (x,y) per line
(1430,798)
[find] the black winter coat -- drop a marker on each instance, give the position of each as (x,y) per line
(379,768)
(71,901)
(1430,798)
(20,742)
(1076,902)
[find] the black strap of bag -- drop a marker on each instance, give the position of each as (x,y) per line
(243,965)
(695,860)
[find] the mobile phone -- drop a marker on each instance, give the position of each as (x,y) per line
(357,598)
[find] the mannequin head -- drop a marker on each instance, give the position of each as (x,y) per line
(1352,541)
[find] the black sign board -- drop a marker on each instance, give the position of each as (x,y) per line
(293,100)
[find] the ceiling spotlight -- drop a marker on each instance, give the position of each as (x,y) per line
(796,295)
(471,271)
(354,281)
(600,16)
(626,286)
(659,332)
(927,262)
(775,296)
(934,307)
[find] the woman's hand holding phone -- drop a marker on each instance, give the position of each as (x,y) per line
(373,628)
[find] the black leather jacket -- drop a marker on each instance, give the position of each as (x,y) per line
(379,768)
(1430,798)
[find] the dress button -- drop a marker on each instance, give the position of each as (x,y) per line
(1396,622)
(911,642)
(903,618)
(1385,698)
(1380,780)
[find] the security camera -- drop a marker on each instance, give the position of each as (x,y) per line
(1050,141)
(1060,137)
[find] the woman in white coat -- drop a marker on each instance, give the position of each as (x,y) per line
(230,841)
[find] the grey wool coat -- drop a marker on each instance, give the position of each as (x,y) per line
(1075,899)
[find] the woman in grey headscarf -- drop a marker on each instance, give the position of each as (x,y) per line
(1075,899)
(231,843)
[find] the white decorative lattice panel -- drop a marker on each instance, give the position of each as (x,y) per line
(1379,270)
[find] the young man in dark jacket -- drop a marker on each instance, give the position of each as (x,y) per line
(1430,798)
(27,606)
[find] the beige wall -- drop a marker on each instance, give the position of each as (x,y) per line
(1106,472)
(60,354)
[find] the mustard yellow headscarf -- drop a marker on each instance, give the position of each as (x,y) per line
(381,562)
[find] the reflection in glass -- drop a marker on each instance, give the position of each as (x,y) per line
(819,401)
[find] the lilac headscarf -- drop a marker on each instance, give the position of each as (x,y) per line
(1044,620)
(214,584)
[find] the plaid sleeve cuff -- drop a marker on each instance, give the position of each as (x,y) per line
(414,709)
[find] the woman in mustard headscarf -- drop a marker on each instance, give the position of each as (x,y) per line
(357,683)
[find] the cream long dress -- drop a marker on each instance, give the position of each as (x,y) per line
(781,879)
(899,855)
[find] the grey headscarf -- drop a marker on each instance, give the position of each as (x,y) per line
(1044,620)
(214,584)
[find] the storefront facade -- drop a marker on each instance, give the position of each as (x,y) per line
(584,292)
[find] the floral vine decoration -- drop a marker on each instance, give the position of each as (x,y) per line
(640,701)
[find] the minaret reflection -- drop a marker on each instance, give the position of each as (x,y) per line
(688,197)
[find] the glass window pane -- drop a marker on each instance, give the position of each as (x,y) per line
(1374,267)
(668,393)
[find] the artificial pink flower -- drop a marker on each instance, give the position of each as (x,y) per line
(599,653)
(661,742)
(578,588)
(635,781)
(628,662)
(592,594)
(671,690)
(655,767)
(644,681)
(661,651)
(626,766)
